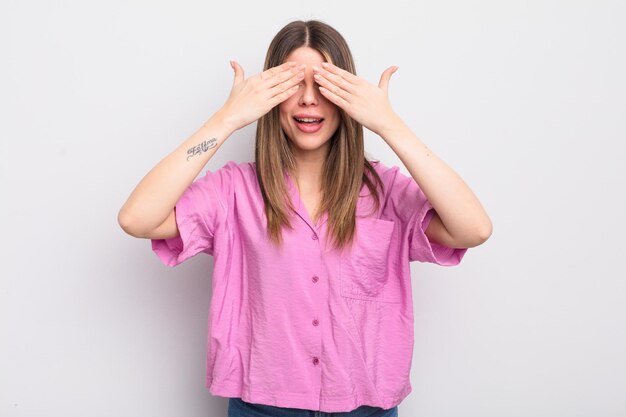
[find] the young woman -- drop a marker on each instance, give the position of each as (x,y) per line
(311,309)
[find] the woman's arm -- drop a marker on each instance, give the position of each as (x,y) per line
(460,220)
(149,212)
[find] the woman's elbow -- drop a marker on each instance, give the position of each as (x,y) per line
(483,233)
(475,237)
(128,223)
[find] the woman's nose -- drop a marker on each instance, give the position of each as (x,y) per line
(309,91)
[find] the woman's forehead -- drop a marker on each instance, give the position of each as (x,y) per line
(305,55)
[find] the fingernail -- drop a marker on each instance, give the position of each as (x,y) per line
(325,64)
(316,68)
(292,64)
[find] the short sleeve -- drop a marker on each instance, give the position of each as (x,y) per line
(199,212)
(407,203)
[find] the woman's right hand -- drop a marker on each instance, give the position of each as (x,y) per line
(252,98)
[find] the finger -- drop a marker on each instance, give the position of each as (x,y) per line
(334,79)
(279,98)
(269,73)
(346,75)
(384,79)
(334,98)
(285,75)
(295,79)
(238,72)
(332,87)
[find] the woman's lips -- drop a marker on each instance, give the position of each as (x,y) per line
(309,127)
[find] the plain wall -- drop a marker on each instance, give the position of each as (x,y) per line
(524,99)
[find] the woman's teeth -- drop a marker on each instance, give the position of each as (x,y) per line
(308,120)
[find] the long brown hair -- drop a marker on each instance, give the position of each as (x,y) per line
(345,169)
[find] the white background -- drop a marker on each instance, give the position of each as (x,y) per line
(524,99)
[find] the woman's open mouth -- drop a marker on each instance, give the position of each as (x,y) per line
(308,125)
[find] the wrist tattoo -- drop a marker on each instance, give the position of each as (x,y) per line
(202,147)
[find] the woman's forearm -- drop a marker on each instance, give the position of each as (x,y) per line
(459,209)
(156,195)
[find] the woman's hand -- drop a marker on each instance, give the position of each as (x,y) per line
(364,102)
(252,98)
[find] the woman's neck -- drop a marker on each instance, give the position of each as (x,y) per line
(309,171)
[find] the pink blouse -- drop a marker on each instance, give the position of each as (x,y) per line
(303,325)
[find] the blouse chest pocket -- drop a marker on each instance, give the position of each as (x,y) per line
(364,268)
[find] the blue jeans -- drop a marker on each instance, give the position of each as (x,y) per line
(239,408)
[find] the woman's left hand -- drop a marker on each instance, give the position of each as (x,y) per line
(364,102)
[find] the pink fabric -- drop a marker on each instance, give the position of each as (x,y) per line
(304,326)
